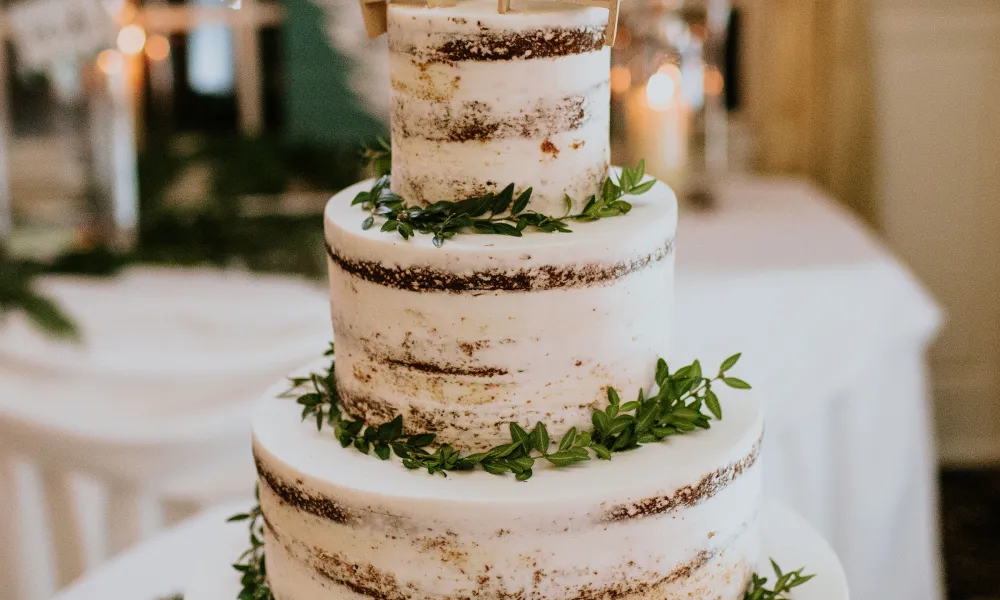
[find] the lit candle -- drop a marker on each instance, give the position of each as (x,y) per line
(657,126)
(115,146)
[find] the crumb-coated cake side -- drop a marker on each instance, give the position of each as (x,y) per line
(482,100)
(461,339)
(464,339)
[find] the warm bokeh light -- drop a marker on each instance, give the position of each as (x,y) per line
(714,82)
(125,14)
(672,70)
(157,47)
(110,61)
(623,39)
(131,39)
(621,80)
(660,91)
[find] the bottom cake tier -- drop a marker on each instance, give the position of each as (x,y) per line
(667,521)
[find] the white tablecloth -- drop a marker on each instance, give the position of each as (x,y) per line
(156,401)
(834,332)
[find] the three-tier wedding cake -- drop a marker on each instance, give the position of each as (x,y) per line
(461,306)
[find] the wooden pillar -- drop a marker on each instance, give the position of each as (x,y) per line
(65,526)
(6,202)
(249,79)
(11,568)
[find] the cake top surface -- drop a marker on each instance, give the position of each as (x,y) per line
(488,8)
(680,461)
(651,222)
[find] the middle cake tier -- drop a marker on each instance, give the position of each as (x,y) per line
(487,330)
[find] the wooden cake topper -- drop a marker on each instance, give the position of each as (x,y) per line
(375,13)
(613,6)
(377,22)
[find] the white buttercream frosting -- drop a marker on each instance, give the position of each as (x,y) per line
(482,100)
(490,329)
(667,521)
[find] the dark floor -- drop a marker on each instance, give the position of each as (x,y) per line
(971,511)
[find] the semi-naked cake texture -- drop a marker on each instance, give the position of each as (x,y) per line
(482,100)
(490,330)
(487,330)
(670,521)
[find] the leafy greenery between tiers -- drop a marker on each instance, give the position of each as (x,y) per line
(498,214)
(685,401)
(253,569)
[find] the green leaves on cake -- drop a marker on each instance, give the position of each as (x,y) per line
(379,157)
(494,213)
(784,583)
(251,564)
(685,401)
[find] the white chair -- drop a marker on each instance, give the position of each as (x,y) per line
(154,405)
(165,565)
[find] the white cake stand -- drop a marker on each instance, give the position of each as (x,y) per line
(787,538)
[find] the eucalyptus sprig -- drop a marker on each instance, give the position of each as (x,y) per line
(251,564)
(493,213)
(379,157)
(685,401)
(785,582)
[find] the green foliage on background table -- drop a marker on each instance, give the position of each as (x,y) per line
(217,232)
(221,231)
(19,294)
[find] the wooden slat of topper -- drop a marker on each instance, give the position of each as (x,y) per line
(375,13)
(376,20)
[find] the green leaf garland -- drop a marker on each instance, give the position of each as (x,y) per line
(685,401)
(492,214)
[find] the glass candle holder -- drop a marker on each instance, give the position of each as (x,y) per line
(667,92)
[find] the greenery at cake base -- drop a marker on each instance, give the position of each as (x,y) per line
(685,401)
(251,564)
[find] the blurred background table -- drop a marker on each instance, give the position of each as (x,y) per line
(834,332)
(146,419)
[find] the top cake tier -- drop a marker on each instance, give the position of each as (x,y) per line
(482,100)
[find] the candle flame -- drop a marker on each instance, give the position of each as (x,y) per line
(132,39)
(621,80)
(661,91)
(110,62)
(158,48)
